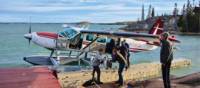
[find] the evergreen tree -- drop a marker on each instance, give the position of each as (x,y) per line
(199,3)
(183,10)
(175,12)
(152,13)
(149,12)
(142,13)
(181,24)
(189,21)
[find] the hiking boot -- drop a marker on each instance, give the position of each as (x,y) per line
(117,82)
(120,85)
(99,82)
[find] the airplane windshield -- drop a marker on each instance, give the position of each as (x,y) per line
(68,33)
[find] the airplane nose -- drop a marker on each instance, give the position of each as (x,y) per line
(28,36)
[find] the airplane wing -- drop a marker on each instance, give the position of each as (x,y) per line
(136,36)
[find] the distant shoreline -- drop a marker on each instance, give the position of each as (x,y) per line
(172,32)
(60,23)
(187,33)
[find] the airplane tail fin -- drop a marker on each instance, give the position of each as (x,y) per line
(157,27)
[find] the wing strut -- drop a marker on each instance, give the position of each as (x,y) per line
(51,54)
(83,49)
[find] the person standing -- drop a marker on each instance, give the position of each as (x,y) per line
(120,56)
(126,46)
(166,57)
(97,60)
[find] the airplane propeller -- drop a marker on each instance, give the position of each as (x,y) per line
(29,40)
(28,35)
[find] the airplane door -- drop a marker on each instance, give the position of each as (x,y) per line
(76,42)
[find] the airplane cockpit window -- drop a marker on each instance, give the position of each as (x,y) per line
(68,33)
(90,37)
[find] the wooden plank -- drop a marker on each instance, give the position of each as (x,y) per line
(35,77)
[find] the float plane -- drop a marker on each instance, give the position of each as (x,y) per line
(76,38)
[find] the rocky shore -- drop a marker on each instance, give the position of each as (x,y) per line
(188,81)
(136,73)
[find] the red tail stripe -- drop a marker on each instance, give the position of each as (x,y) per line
(48,35)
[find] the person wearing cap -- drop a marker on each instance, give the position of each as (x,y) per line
(166,57)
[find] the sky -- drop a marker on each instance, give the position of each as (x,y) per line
(96,11)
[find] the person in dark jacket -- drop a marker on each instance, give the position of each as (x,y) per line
(126,45)
(120,56)
(166,57)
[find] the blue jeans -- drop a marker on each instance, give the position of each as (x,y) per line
(120,70)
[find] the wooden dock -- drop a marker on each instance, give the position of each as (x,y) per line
(34,77)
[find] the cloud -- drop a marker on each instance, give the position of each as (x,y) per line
(79,10)
(53,8)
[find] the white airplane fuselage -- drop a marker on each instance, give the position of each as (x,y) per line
(48,40)
(43,41)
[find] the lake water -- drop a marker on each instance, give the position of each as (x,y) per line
(13,46)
